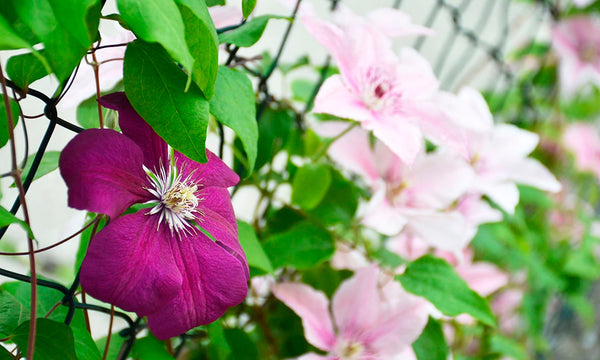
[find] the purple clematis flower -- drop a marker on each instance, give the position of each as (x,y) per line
(156,262)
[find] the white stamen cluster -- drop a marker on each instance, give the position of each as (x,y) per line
(176,199)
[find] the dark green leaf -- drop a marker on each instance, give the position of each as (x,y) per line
(247,7)
(4,134)
(6,218)
(252,247)
(234,106)
(156,88)
(310,184)
(249,33)
(85,347)
(5,355)
(85,239)
(438,282)
(202,42)
(274,130)
(218,348)
(114,347)
(25,69)
(339,204)
(48,164)
(214,2)
(158,21)
(431,345)
(303,246)
(12,313)
(80,18)
(10,39)
(150,348)
(242,347)
(53,340)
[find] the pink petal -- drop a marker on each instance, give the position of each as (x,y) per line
(224,16)
(514,142)
(213,281)
(402,137)
(103,171)
(483,277)
(584,142)
(382,217)
(504,194)
(129,264)
(313,356)
(531,172)
(442,230)
(218,219)
(394,23)
(313,307)
(212,173)
(336,98)
(355,314)
(134,127)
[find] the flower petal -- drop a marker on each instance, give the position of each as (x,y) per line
(504,194)
(129,264)
(531,172)
(313,308)
(212,173)
(213,281)
(485,278)
(402,137)
(103,170)
(442,230)
(381,216)
(134,127)
(218,219)
(336,98)
(355,314)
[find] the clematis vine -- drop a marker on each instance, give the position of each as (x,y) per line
(381,323)
(417,199)
(387,94)
(177,260)
(577,44)
(497,153)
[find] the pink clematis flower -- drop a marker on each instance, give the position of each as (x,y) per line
(577,43)
(584,142)
(381,323)
(156,262)
(225,15)
(498,153)
(416,199)
(388,94)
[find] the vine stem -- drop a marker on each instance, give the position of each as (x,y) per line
(110,326)
(17,176)
(325,147)
(96,67)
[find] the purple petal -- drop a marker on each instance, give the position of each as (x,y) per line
(103,170)
(129,264)
(218,219)
(134,127)
(212,173)
(213,281)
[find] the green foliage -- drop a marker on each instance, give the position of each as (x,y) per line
(310,185)
(150,348)
(339,203)
(505,346)
(214,2)
(437,281)
(303,246)
(10,39)
(6,218)
(233,105)
(218,348)
(15,111)
(114,347)
(431,345)
(252,248)
(274,130)
(48,164)
(155,86)
(249,33)
(247,7)
(53,340)
(24,69)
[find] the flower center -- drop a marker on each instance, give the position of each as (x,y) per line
(378,89)
(351,351)
(589,53)
(176,199)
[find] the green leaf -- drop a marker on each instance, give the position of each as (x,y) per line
(431,345)
(249,33)
(202,42)
(150,348)
(218,347)
(310,184)
(12,313)
(303,246)
(214,2)
(85,239)
(6,218)
(437,281)
(10,40)
(247,7)
(85,347)
(87,113)
(339,204)
(53,340)
(155,86)
(5,355)
(507,347)
(234,106)
(158,21)
(255,253)
(274,129)
(48,164)
(62,49)
(78,17)
(242,347)
(114,348)
(25,69)
(14,108)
